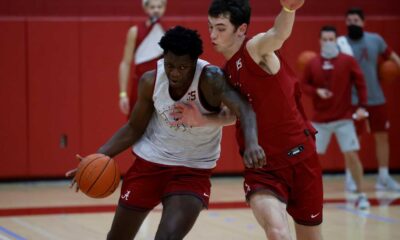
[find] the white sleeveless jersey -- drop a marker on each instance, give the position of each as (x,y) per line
(195,147)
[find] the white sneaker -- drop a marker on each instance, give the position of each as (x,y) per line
(387,184)
(362,202)
(350,185)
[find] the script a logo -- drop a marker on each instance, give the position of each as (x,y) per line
(126,195)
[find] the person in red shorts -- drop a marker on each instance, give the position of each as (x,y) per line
(291,180)
(174,161)
(141,49)
(366,47)
(329,79)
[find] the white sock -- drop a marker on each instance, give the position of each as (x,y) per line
(349,177)
(383,172)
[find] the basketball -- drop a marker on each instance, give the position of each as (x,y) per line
(388,71)
(98,175)
(304,58)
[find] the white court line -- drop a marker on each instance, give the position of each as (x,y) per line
(36,229)
(2,237)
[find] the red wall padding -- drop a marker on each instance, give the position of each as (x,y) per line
(188,8)
(64,72)
(53,95)
(13,99)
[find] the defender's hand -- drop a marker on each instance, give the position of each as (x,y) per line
(254,156)
(72,173)
(187,114)
(292,5)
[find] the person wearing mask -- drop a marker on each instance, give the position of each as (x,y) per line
(366,48)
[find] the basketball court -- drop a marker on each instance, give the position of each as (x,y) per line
(52,211)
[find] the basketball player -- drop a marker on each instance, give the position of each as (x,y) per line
(291,179)
(142,49)
(174,162)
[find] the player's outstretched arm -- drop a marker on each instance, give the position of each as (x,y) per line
(128,134)
(190,115)
(218,90)
(272,40)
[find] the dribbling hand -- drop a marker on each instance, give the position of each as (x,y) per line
(71,173)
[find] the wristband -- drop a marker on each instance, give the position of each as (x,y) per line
(288,10)
(123,94)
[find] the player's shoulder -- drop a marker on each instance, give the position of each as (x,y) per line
(373,35)
(212,76)
(345,57)
(212,69)
(212,73)
(148,78)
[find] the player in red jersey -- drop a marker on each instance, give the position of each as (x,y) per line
(291,179)
(141,52)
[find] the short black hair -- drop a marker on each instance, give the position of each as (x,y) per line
(328,28)
(239,11)
(356,10)
(182,41)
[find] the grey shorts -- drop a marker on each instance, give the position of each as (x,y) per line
(344,131)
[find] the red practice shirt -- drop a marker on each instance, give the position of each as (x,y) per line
(338,75)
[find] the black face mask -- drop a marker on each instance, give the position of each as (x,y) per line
(355,32)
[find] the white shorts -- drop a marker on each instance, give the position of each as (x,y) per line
(344,131)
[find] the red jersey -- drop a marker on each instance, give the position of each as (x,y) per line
(338,75)
(281,122)
(140,69)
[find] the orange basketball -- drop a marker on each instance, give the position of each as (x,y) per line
(388,71)
(304,58)
(98,175)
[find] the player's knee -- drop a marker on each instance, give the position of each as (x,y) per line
(278,233)
(351,155)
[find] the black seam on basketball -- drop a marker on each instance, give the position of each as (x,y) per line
(83,170)
(110,188)
(101,173)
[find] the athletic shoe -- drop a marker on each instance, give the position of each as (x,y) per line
(362,202)
(387,184)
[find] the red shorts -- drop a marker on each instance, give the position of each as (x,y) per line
(299,186)
(378,120)
(146,184)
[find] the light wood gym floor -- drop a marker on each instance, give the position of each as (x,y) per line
(51,211)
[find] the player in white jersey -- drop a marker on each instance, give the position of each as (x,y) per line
(174,161)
